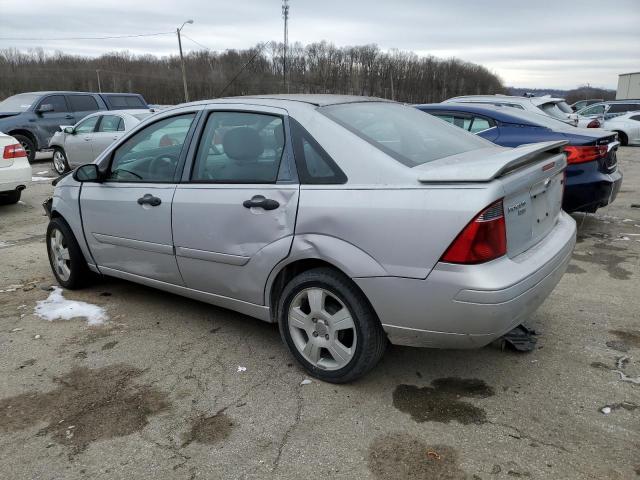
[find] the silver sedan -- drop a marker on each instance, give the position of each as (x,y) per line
(348,221)
(84,141)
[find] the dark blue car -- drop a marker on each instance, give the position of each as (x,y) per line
(593,178)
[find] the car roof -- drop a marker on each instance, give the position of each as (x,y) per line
(508,98)
(282,100)
(503,114)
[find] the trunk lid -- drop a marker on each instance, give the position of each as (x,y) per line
(531,178)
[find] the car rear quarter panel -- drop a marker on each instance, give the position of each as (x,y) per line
(404,230)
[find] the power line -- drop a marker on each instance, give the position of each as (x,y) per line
(196,42)
(89,38)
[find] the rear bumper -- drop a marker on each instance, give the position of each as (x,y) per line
(468,306)
(589,189)
(17,176)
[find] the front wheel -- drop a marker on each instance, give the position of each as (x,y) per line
(28,145)
(65,257)
(59,162)
(329,326)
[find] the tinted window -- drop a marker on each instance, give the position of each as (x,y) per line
(623,107)
(458,120)
(83,103)
(635,117)
(125,101)
(111,123)
(151,155)
(421,138)
(87,125)
(314,164)
(238,147)
(57,102)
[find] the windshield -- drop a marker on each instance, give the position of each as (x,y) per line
(553,109)
(18,103)
(402,132)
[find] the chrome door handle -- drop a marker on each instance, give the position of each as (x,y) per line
(148,199)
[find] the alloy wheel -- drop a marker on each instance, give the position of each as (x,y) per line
(60,258)
(322,328)
(59,164)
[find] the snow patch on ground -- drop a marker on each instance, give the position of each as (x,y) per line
(57,307)
(41,179)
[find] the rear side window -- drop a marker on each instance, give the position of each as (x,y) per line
(623,107)
(595,110)
(83,103)
(125,101)
(240,147)
(420,138)
(479,124)
(635,117)
(57,102)
(313,163)
(111,123)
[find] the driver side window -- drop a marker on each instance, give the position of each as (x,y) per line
(151,155)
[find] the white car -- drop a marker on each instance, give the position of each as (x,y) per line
(604,111)
(554,107)
(627,126)
(83,142)
(15,171)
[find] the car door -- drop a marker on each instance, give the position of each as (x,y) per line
(52,111)
(82,105)
(78,145)
(110,128)
(234,214)
(127,217)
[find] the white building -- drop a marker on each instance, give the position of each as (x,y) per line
(628,86)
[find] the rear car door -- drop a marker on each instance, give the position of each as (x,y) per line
(48,122)
(234,214)
(78,145)
(127,218)
(82,105)
(110,128)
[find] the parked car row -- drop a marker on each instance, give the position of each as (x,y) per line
(32,118)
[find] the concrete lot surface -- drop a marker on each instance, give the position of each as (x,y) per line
(156,392)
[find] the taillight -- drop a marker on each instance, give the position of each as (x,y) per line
(13,151)
(584,154)
(483,239)
(595,123)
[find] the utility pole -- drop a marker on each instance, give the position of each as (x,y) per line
(184,72)
(285,15)
(99,87)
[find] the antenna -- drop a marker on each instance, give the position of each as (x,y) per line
(285,16)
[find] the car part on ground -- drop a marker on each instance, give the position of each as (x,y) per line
(263,205)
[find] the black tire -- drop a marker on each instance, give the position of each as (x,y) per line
(80,276)
(624,140)
(371,338)
(63,159)
(28,145)
(9,198)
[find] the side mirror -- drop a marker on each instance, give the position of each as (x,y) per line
(45,107)
(87,173)
(69,130)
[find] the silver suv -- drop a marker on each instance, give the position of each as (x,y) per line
(348,221)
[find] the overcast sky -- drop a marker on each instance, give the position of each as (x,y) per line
(536,43)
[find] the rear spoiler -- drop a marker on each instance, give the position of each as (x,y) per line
(463,169)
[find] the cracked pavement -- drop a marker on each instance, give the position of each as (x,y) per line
(198,417)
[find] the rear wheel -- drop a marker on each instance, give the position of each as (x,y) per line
(329,327)
(65,257)
(624,140)
(28,145)
(59,161)
(9,198)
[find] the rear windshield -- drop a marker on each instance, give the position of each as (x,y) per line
(554,109)
(405,133)
(18,103)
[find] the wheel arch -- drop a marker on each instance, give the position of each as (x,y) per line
(313,251)
(26,133)
(622,136)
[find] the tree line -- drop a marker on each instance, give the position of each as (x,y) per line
(314,68)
